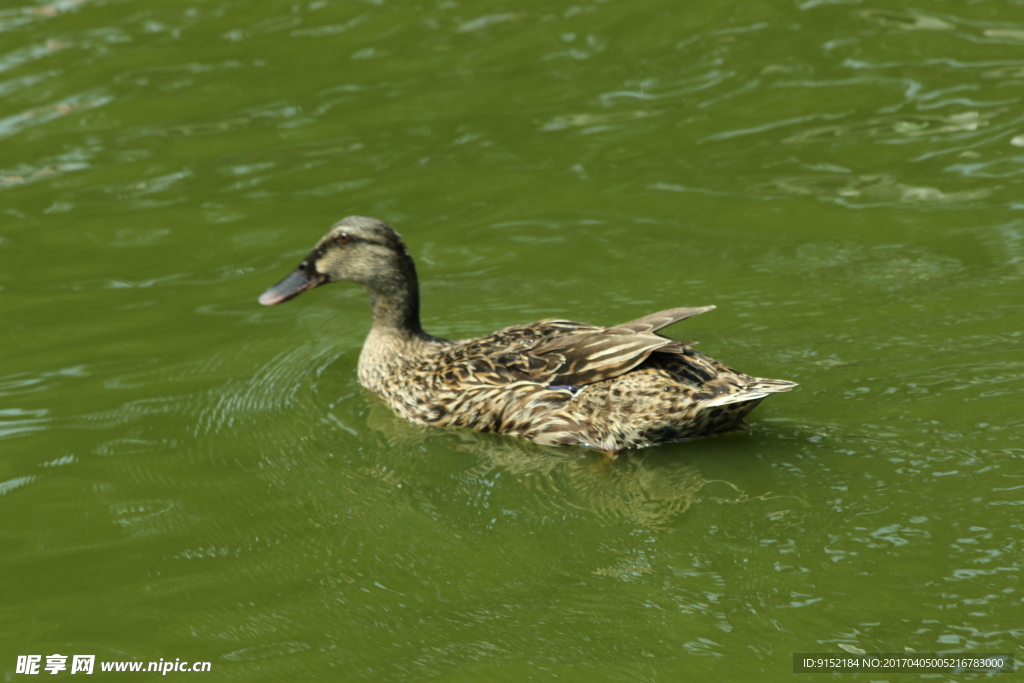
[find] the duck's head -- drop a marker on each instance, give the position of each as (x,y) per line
(357,249)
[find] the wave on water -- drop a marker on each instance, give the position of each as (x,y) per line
(272,388)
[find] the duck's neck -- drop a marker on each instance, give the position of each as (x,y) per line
(396,312)
(396,336)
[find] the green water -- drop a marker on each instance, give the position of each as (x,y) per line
(186,474)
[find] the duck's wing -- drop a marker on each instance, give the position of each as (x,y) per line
(572,356)
(656,321)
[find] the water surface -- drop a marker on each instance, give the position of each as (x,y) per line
(186,474)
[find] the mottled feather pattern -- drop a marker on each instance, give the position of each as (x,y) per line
(562,383)
(555,382)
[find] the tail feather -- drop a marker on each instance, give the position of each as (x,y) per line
(770,386)
(754,391)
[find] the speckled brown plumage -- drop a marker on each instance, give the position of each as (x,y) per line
(555,382)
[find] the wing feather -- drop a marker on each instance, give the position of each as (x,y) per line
(595,354)
(556,352)
(661,319)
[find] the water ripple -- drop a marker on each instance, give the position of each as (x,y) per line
(900,126)
(272,388)
(17,421)
(868,190)
(905,20)
(12,484)
(17,123)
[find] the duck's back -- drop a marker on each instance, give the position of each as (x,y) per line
(561,382)
(670,397)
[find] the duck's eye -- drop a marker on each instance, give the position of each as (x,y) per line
(343,238)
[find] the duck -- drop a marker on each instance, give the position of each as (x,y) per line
(554,382)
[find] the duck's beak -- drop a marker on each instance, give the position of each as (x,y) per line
(298,281)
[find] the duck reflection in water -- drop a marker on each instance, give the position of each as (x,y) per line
(649,490)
